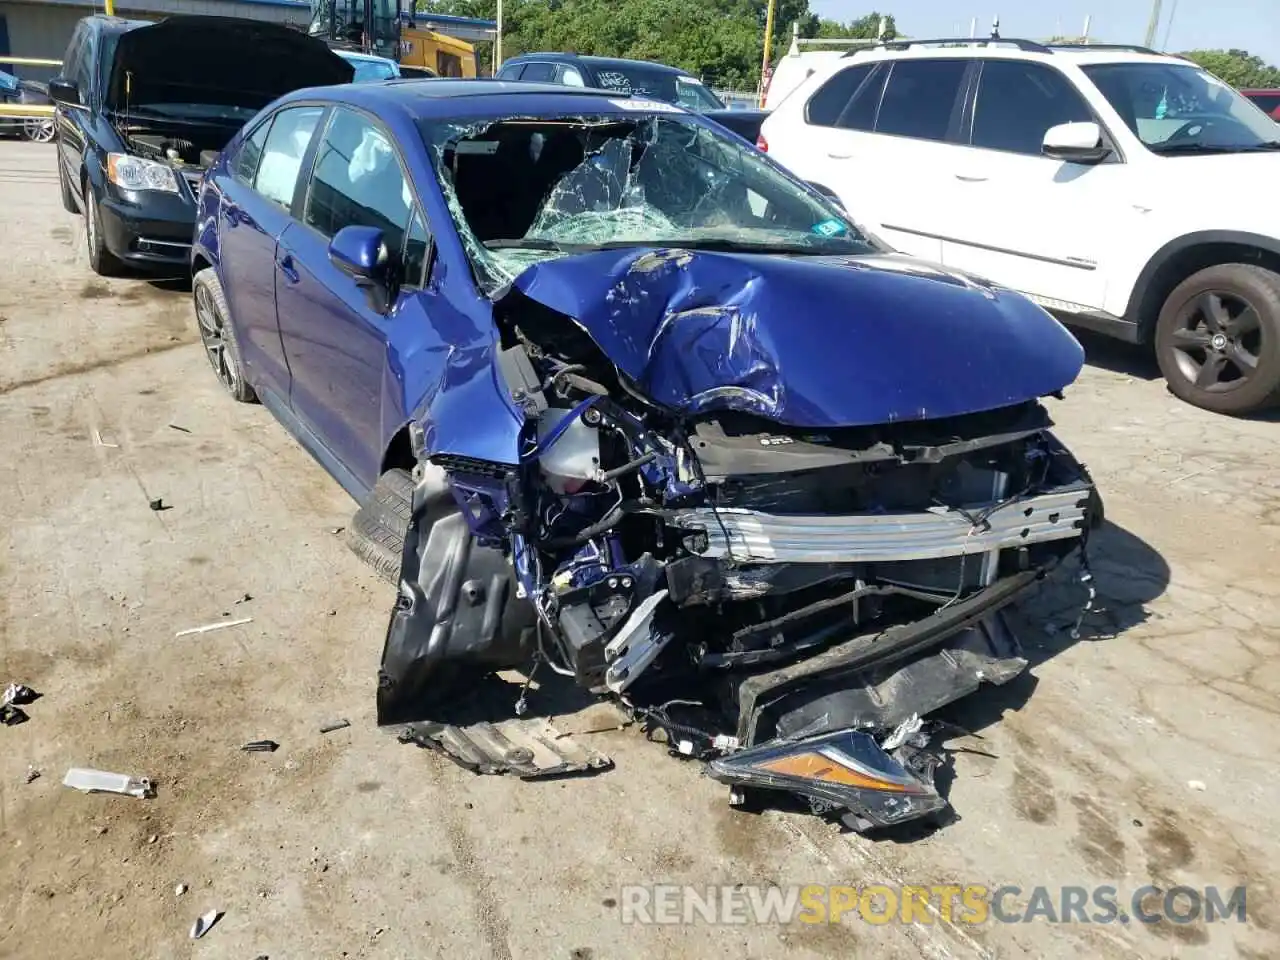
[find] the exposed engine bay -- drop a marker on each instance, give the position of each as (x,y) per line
(193,149)
(752,548)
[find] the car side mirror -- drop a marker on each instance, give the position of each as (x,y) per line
(362,254)
(1075,143)
(65,92)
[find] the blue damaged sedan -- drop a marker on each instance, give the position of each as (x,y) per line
(620,397)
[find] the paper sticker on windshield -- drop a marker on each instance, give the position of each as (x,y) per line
(647,106)
(829,228)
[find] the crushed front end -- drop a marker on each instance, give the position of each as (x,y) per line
(781,559)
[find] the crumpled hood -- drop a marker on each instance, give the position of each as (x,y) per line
(218,60)
(809,341)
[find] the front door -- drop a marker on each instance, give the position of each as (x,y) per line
(1023,219)
(335,339)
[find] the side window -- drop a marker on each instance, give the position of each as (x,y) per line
(830,100)
(83,75)
(417,243)
(282,153)
(357,181)
(546,72)
(920,97)
(1017,102)
(72,59)
(245,165)
(571,77)
(509,72)
(448,64)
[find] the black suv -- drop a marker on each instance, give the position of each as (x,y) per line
(142,109)
(638,78)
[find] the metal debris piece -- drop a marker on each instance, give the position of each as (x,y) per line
(335,725)
(214,626)
(100,781)
(97,437)
(17,693)
(157,504)
(902,733)
(528,748)
(205,923)
(11,716)
(32,775)
(261,746)
(174,426)
(245,598)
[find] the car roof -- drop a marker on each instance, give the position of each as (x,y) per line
(355,55)
(594,61)
(449,97)
(116,24)
(1079,55)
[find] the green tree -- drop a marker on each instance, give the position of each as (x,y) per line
(721,41)
(1237,67)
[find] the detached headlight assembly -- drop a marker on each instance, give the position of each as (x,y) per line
(135,173)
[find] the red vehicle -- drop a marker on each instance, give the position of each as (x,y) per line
(1268,100)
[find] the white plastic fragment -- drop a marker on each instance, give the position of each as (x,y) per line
(1196,785)
(100,781)
(180,889)
(900,734)
(208,627)
(204,924)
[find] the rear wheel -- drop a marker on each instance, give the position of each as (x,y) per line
(64,184)
(1218,339)
(378,528)
(38,131)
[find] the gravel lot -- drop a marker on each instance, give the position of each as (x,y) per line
(1143,753)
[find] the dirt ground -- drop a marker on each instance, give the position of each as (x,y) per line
(1142,753)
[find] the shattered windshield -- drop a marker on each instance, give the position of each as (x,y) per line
(525,190)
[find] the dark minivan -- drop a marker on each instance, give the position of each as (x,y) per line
(143,108)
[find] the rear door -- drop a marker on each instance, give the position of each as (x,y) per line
(335,341)
(255,208)
(905,190)
(1023,219)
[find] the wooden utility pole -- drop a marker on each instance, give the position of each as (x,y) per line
(1154,24)
(768,45)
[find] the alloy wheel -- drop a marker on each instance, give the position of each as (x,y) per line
(39,131)
(213,334)
(1217,341)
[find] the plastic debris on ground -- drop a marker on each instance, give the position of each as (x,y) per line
(101,781)
(527,748)
(261,746)
(209,627)
(335,725)
(205,923)
(15,695)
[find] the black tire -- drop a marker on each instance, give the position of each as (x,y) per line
(218,335)
(377,530)
(69,203)
(1217,339)
(101,260)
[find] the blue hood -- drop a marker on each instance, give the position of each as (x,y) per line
(809,341)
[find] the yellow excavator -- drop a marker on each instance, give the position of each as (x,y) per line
(417,42)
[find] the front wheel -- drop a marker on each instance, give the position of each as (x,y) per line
(1217,339)
(218,336)
(38,131)
(101,260)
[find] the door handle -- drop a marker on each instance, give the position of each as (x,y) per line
(968,178)
(287,267)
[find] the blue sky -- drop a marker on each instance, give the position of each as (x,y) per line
(1253,25)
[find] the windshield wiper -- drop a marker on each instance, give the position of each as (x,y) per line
(724,245)
(1207,148)
(529,243)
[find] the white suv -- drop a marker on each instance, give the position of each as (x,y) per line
(1128,192)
